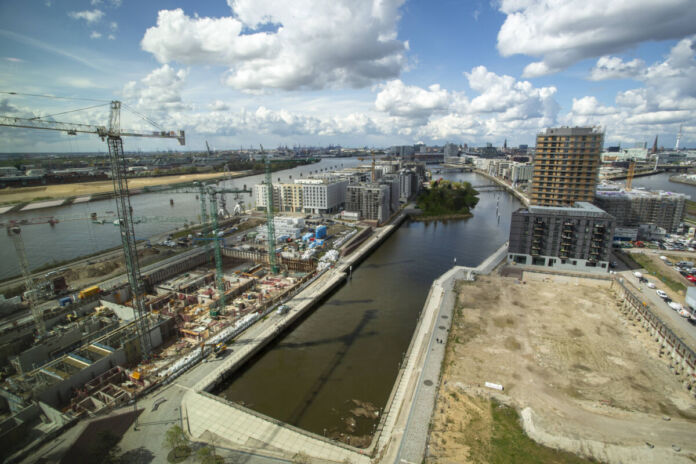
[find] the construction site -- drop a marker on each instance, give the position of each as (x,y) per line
(585,376)
(101,335)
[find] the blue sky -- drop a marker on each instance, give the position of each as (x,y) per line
(352,72)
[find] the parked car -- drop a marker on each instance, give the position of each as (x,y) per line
(691,278)
(651,285)
(661,294)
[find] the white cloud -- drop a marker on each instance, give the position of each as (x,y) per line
(563,32)
(219,105)
(14,60)
(95,35)
(113,25)
(309,44)
(612,67)
(590,106)
(666,100)
(111,37)
(90,16)
(158,91)
(511,98)
(78,82)
(402,100)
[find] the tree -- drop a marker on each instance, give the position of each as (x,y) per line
(175,439)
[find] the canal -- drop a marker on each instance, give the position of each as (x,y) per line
(332,371)
(71,239)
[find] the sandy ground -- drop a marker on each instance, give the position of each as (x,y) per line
(47,192)
(584,377)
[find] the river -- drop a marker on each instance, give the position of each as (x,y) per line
(662,182)
(350,347)
(72,239)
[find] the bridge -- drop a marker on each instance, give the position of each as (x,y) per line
(488,188)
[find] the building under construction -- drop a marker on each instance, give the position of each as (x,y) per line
(636,207)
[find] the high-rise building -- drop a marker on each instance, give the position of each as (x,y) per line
(566,165)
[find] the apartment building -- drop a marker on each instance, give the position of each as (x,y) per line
(637,207)
(566,238)
(370,201)
(566,166)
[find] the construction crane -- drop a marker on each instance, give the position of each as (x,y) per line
(629,176)
(210,152)
(113,136)
(30,286)
(212,194)
(270,225)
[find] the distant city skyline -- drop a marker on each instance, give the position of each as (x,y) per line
(352,73)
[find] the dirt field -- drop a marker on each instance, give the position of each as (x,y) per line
(584,378)
(49,192)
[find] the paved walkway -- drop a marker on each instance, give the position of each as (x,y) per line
(405,435)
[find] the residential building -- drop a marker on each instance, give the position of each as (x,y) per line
(317,196)
(371,201)
(520,173)
(451,149)
(322,195)
(638,206)
(576,238)
(566,166)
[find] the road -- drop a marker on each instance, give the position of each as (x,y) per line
(21,318)
(670,317)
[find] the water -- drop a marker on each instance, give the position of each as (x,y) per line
(662,182)
(350,347)
(71,239)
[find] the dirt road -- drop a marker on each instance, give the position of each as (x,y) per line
(585,378)
(48,192)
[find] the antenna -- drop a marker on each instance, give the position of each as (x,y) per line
(679,135)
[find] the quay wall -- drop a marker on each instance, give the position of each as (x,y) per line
(508,188)
(682,357)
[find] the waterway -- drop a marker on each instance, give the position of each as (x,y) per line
(71,239)
(662,182)
(347,352)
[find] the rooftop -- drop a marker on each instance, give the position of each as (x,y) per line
(572,131)
(580,208)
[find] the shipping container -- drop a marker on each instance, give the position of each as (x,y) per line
(88,292)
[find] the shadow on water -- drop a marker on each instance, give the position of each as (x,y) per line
(347,302)
(325,373)
(380,265)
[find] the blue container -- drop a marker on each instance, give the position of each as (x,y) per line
(321,232)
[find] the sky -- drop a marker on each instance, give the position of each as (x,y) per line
(240,73)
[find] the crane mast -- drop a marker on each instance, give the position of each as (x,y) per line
(30,286)
(270,225)
(113,136)
(218,252)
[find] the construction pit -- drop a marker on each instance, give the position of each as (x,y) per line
(583,377)
(192,301)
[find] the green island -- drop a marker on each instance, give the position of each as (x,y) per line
(447,200)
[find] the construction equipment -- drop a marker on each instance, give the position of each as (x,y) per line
(269,215)
(212,194)
(373,166)
(629,176)
(29,283)
(113,136)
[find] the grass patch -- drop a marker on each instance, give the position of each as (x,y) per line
(510,444)
(647,264)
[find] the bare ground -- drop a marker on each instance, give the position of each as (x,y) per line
(49,192)
(585,378)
